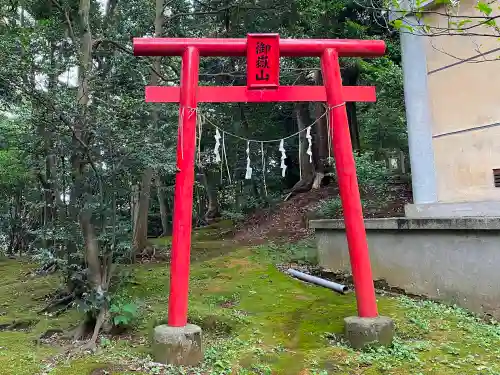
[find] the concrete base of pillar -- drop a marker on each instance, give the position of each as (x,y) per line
(451,210)
(177,345)
(361,332)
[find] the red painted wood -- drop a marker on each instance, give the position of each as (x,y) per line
(348,187)
(263,61)
(189,94)
(183,193)
(238,47)
(240,94)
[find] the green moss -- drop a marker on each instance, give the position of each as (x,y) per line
(21,297)
(19,355)
(21,294)
(84,366)
(215,231)
(161,241)
(241,295)
(291,310)
(256,319)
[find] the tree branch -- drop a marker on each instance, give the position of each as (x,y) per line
(68,20)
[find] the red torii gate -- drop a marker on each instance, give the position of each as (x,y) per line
(263,52)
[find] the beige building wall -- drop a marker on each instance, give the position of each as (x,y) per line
(465,105)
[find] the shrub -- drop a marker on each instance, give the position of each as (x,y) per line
(372,180)
(330,208)
(372,174)
(123,313)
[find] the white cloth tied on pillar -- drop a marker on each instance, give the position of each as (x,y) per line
(309,144)
(248,174)
(283,157)
(217,146)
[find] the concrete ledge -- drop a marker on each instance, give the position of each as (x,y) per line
(448,210)
(455,260)
(489,223)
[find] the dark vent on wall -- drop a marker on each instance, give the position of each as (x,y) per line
(496,177)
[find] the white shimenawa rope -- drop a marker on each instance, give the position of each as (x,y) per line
(248,175)
(207,120)
(260,140)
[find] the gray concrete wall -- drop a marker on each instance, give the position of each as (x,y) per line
(447,210)
(454,260)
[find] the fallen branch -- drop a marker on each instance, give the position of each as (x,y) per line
(64,300)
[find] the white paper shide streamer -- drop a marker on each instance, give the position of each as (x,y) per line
(309,143)
(283,157)
(222,158)
(217,146)
(248,174)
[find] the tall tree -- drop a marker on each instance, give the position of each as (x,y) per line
(141,222)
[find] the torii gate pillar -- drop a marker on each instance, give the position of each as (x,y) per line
(263,52)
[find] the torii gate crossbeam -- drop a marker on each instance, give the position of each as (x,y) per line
(189,94)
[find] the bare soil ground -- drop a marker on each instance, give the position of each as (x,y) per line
(288,220)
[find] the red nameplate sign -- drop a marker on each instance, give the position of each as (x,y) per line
(263,61)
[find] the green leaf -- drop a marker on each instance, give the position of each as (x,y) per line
(120,319)
(44,22)
(105,342)
(130,308)
(464,22)
(398,24)
(484,8)
(491,23)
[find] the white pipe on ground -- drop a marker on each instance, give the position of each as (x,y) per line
(319,281)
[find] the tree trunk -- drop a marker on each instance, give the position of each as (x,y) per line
(307,168)
(78,140)
(351,75)
(163,206)
(213,202)
(304,120)
(99,274)
(49,136)
(321,136)
(140,240)
(141,228)
(47,174)
(312,173)
(134,201)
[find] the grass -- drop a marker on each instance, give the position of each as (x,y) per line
(256,320)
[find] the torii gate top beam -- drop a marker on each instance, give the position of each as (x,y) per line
(238,47)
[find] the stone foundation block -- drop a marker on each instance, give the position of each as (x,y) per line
(177,345)
(361,332)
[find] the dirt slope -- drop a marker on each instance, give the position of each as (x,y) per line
(288,219)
